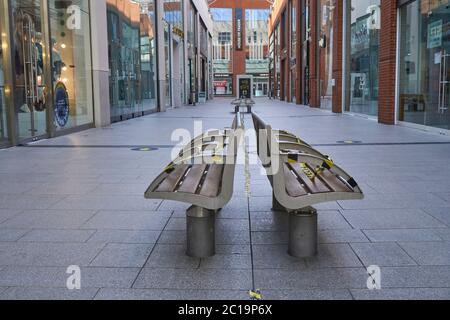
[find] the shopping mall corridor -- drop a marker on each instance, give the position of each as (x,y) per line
(78,200)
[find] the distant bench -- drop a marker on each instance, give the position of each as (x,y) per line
(243,103)
(203,176)
(301,176)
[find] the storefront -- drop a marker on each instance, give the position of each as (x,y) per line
(132,58)
(45,69)
(363,35)
(424,63)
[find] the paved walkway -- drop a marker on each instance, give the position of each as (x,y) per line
(78,200)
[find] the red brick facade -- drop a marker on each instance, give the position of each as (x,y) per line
(387,57)
(388,54)
(239,56)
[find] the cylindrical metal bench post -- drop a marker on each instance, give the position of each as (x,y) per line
(303,233)
(201,235)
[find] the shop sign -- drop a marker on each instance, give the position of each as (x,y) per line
(238,29)
(360,35)
(61,105)
(434,35)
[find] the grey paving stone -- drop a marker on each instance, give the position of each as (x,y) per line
(415,277)
(269,238)
(47,254)
(332,220)
(441,214)
(107,202)
(382,254)
(403,294)
(341,236)
(63,188)
(116,255)
(223,237)
(8,213)
(171,256)
(11,235)
(120,189)
(394,235)
(48,294)
(173,205)
(48,219)
(47,235)
(29,201)
(275,257)
(317,279)
(206,279)
(391,219)
(306,295)
(56,277)
(16,188)
(125,236)
(122,220)
(334,256)
(428,253)
(221,260)
(184,295)
(394,201)
(444,234)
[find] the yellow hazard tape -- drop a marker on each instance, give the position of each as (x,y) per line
(256,295)
(310,174)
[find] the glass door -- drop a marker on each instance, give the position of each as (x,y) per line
(3,125)
(29,87)
(425,64)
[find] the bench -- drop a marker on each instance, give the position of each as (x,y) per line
(301,177)
(202,175)
(243,103)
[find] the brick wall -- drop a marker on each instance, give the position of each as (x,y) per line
(313,64)
(387,68)
(337,56)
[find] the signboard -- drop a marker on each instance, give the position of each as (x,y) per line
(61,105)
(360,35)
(434,34)
(238,13)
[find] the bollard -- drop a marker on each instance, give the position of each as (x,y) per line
(303,233)
(201,236)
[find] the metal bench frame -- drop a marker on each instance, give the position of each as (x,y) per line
(303,225)
(201,215)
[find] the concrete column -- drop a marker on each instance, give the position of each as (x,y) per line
(100,66)
(160,56)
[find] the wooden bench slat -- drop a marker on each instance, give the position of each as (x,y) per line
(173,179)
(334,182)
(316,186)
(213,181)
(193,179)
(293,186)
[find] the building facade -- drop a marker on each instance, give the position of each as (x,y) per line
(240,47)
(60,59)
(384,59)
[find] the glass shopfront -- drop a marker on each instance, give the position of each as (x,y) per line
(3,113)
(132,58)
(222,51)
(326,11)
(363,30)
(257,48)
(46,58)
(424,95)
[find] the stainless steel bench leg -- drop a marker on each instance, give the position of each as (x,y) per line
(201,235)
(276,206)
(303,233)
